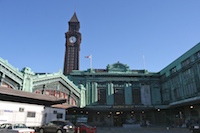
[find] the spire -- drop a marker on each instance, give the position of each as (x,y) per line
(74,18)
(74,24)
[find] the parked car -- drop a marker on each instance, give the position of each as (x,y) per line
(15,128)
(85,128)
(58,127)
(6,130)
(195,128)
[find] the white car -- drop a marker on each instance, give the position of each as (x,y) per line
(15,128)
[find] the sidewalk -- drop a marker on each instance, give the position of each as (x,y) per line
(141,130)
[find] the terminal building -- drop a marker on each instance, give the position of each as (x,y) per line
(116,94)
(120,94)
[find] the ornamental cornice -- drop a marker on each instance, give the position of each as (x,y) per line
(10,71)
(55,77)
(119,74)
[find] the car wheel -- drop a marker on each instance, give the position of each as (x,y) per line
(59,131)
(41,130)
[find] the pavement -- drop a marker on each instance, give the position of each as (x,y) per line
(141,130)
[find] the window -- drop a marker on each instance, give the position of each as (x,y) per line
(173,70)
(119,96)
(136,96)
(102,96)
(54,112)
(185,62)
(21,109)
(30,114)
(59,116)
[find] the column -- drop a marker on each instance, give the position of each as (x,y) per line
(82,96)
(110,94)
(2,76)
(128,94)
(94,93)
(69,97)
(88,93)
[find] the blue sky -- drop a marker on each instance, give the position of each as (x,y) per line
(32,32)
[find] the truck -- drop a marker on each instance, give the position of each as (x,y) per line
(32,115)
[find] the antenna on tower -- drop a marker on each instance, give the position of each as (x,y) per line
(74,7)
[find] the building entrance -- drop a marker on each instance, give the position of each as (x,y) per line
(118,119)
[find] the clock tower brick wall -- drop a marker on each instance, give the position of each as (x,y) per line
(72,47)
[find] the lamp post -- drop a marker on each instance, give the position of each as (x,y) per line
(43,89)
(110,115)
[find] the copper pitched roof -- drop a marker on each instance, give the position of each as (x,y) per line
(7,94)
(74,18)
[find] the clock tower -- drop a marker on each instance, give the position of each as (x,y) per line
(72,46)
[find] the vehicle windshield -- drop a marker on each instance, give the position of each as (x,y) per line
(86,125)
(6,125)
(19,126)
(68,123)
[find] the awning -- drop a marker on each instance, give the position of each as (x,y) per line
(8,94)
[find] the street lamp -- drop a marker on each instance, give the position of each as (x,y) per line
(43,89)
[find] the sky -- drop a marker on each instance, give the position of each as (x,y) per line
(144,34)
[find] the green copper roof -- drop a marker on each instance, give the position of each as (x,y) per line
(177,63)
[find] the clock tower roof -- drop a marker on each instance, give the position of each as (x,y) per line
(74,18)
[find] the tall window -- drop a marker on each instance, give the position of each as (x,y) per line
(119,96)
(166,91)
(176,85)
(136,96)
(189,87)
(102,96)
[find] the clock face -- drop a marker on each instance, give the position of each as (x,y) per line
(72,39)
